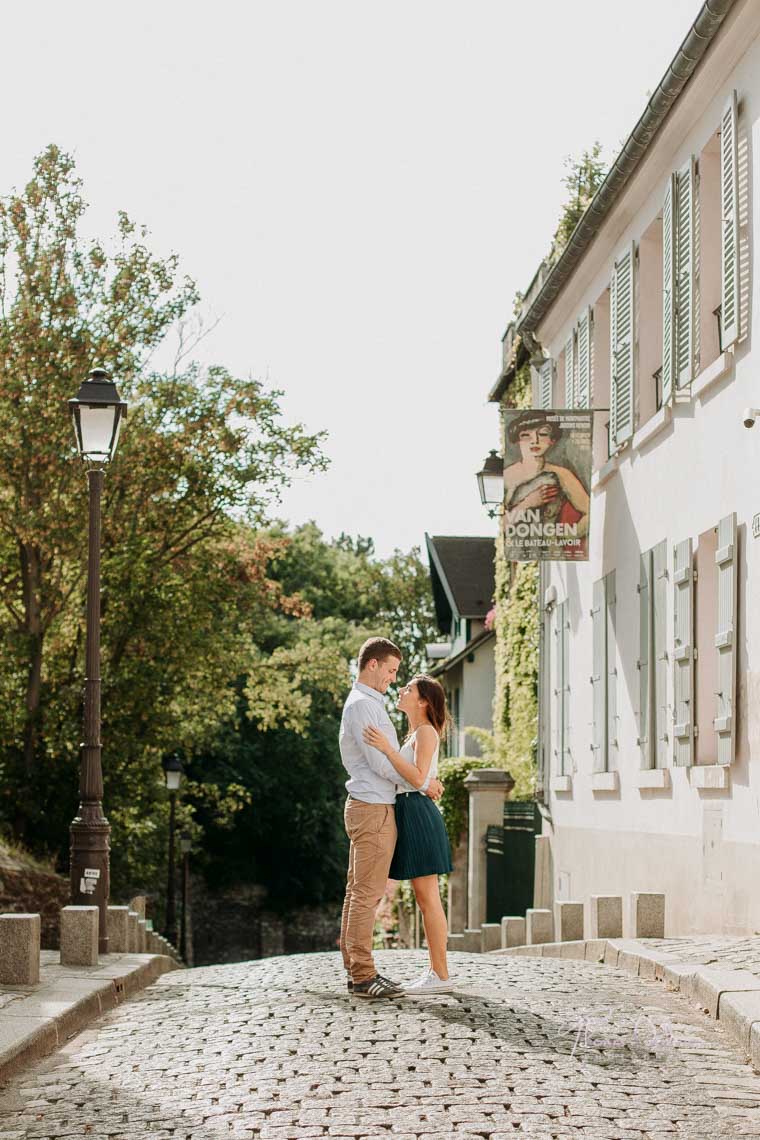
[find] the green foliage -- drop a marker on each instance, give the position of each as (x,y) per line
(584,176)
(454,802)
(515,707)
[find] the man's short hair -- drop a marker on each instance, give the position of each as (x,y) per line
(377,649)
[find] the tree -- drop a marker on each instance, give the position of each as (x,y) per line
(282,747)
(583,178)
(185,578)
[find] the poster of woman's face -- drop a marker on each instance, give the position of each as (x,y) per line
(547,476)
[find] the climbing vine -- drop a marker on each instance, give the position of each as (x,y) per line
(515,706)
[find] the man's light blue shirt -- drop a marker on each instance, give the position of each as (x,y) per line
(372,777)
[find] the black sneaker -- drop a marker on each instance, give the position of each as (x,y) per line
(376,987)
(393,985)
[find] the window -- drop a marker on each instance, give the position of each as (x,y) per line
(679,285)
(578,357)
(604,676)
(543,383)
(709,214)
(601,373)
(704,654)
(653,657)
(562,755)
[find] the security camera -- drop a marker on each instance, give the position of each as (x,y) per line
(749,415)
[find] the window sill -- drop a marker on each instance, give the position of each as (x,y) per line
(658,422)
(607,469)
(710,776)
(713,373)
(561,783)
(653,778)
(605,782)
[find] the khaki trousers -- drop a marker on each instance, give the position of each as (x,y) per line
(372,831)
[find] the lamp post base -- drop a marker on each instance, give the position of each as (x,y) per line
(90,873)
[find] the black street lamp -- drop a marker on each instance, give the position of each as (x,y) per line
(97,412)
(185,844)
(491,483)
(173,772)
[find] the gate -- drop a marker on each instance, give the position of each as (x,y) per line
(510,861)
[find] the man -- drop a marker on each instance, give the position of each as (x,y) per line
(369,814)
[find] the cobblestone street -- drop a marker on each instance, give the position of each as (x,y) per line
(276,1049)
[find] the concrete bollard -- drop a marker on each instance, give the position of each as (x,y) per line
(473,940)
(79,935)
(569,921)
(647,915)
(138,904)
(118,929)
(512,931)
(455,942)
(142,937)
(133,919)
(19,949)
(606,917)
(538,926)
(490,936)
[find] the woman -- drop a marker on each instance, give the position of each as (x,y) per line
(422,848)
(534,484)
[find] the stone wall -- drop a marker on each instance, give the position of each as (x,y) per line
(235,925)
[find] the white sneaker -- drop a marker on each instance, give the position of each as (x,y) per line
(430,983)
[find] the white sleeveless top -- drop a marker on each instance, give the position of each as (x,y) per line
(407,751)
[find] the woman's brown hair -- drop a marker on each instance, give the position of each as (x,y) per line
(433,694)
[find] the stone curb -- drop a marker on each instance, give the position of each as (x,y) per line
(42,1018)
(729,996)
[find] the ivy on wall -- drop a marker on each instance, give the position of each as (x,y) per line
(515,706)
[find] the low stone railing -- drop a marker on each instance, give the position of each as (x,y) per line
(129,932)
(647,920)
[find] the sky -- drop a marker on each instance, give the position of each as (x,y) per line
(359,190)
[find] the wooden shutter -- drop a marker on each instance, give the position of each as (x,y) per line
(659,719)
(668,290)
(621,341)
(683,654)
(611,666)
(599,676)
(545,376)
(729,163)
(685,185)
(725,640)
(570,396)
(559,740)
(583,392)
(565,619)
(645,663)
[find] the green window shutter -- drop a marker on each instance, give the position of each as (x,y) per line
(570,371)
(685,261)
(668,290)
(545,376)
(683,654)
(599,676)
(621,340)
(611,665)
(725,639)
(645,663)
(583,392)
(659,658)
(729,162)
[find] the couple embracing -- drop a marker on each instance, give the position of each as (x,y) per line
(394,828)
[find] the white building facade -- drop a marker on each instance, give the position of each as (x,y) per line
(649,721)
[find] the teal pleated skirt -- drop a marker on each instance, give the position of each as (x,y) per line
(422,847)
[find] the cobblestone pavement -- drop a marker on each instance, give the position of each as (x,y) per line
(727,952)
(276,1049)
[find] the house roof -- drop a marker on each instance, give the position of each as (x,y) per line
(679,71)
(475,643)
(462,576)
